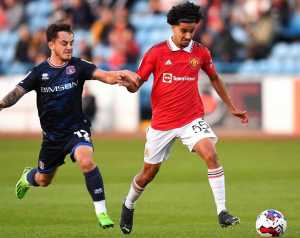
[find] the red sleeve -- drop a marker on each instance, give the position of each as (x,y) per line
(208,65)
(147,65)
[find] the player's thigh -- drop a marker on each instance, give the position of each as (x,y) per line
(158,145)
(80,145)
(51,156)
(206,149)
(198,131)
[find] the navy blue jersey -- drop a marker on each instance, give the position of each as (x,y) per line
(59,93)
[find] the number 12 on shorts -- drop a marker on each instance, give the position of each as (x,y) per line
(201,126)
(83,134)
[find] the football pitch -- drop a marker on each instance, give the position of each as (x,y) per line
(178,204)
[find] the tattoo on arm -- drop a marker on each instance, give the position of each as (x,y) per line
(12,97)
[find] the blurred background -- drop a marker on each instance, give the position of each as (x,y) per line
(255,45)
(256,48)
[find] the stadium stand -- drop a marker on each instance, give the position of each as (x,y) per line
(246,37)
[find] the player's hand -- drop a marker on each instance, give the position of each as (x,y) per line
(130,80)
(1,105)
(113,77)
(242,115)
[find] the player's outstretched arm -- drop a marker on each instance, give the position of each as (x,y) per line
(222,92)
(131,80)
(124,78)
(12,97)
(109,77)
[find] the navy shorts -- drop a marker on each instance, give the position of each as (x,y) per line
(53,152)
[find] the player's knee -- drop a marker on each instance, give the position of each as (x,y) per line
(210,157)
(86,164)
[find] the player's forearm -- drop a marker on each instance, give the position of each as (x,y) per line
(220,88)
(105,76)
(109,77)
(12,97)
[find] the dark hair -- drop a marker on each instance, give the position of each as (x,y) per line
(53,29)
(185,12)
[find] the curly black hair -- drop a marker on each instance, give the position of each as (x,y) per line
(185,12)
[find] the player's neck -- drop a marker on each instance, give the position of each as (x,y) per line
(175,43)
(56,61)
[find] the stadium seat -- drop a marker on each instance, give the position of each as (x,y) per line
(288,66)
(141,36)
(293,29)
(38,22)
(140,7)
(272,66)
(7,54)
(248,67)
(294,51)
(39,8)
(18,68)
(279,50)
(101,50)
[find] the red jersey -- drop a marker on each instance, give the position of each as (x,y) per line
(175,98)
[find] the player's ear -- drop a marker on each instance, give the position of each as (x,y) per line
(51,45)
(175,28)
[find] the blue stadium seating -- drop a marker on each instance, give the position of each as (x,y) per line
(293,28)
(151,29)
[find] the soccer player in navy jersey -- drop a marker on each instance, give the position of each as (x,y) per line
(177,109)
(58,83)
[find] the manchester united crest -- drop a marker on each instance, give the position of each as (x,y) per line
(194,62)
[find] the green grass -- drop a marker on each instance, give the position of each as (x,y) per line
(259,175)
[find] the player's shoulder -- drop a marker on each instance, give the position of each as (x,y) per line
(39,67)
(158,47)
(76,60)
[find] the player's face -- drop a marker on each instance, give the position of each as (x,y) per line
(183,33)
(62,45)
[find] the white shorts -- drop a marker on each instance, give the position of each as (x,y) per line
(158,144)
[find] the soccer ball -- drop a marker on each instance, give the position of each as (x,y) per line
(271,223)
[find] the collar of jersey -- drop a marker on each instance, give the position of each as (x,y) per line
(173,47)
(56,66)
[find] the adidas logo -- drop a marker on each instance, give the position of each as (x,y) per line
(168,62)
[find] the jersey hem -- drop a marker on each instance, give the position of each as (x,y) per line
(178,125)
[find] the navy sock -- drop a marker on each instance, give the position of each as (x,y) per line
(94,184)
(30,177)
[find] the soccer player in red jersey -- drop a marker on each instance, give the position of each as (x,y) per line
(177,109)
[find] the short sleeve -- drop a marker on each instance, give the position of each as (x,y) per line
(29,83)
(87,69)
(147,65)
(208,65)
